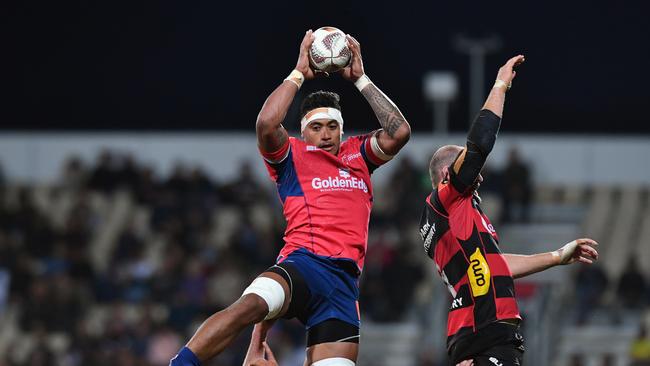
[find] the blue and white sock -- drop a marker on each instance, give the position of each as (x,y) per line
(185,357)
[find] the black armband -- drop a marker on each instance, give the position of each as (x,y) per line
(483,133)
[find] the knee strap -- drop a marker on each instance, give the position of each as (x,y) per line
(270,291)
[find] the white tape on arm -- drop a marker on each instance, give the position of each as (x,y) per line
(566,252)
(270,291)
(362,82)
(296,77)
(374,145)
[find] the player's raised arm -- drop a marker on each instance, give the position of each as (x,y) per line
(271,135)
(395,131)
(579,250)
(483,132)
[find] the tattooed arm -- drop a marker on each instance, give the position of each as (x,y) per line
(395,131)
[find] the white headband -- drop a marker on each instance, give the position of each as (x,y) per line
(321,113)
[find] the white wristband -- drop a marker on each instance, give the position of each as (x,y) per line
(362,82)
(296,77)
(501,84)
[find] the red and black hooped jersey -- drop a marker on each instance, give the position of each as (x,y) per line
(459,237)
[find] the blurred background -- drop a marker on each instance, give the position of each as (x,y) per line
(133,202)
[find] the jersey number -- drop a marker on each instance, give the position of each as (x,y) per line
(478,274)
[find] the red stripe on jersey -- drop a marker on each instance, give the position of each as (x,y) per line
(463,281)
(277,155)
(507,308)
(447,195)
(443,253)
(370,154)
(459,319)
(434,207)
(498,265)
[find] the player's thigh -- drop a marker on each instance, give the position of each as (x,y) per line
(332,338)
(322,351)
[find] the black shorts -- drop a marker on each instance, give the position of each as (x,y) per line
(498,344)
(504,355)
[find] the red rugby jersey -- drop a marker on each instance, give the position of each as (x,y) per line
(459,237)
(326,198)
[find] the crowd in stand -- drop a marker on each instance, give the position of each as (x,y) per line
(131,310)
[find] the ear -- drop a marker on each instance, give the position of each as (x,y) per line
(445,174)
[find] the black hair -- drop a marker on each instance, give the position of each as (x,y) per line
(320,99)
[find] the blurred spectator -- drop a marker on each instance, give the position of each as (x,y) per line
(127,174)
(640,348)
(199,184)
(128,246)
(76,235)
(146,187)
(428,358)
(73,176)
(492,180)
(407,190)
(178,181)
(36,311)
(632,286)
(400,276)
(391,273)
(517,189)
(608,359)
(163,345)
(31,226)
(244,190)
(41,354)
(576,360)
(3,183)
(104,176)
(591,283)
(5,278)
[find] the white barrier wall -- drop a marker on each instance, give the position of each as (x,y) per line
(31,157)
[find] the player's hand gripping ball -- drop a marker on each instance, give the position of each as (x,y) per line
(329,52)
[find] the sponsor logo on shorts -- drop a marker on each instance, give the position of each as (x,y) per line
(495,361)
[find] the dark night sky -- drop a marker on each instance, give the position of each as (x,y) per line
(187,65)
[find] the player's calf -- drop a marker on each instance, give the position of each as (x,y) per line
(263,299)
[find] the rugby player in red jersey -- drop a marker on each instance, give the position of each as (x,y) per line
(326,192)
(483,321)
